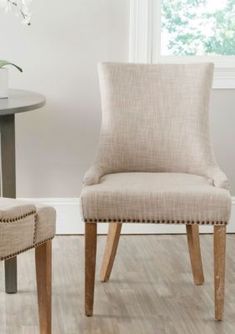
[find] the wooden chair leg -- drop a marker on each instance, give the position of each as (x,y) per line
(43,273)
(90,264)
(195,253)
(110,250)
(219,269)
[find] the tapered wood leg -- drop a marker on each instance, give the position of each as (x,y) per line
(8,181)
(219,269)
(90,264)
(110,250)
(43,273)
(195,253)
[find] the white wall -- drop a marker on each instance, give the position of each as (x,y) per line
(59,53)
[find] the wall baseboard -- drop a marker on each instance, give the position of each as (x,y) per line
(69,220)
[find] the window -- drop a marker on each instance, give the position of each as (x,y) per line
(176,31)
(198,27)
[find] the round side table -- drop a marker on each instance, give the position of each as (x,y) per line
(18,101)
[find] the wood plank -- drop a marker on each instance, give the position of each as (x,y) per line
(151,291)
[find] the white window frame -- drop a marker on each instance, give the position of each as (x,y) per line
(145,37)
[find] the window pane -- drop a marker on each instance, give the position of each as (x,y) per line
(198,27)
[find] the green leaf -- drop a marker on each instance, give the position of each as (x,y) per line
(5,62)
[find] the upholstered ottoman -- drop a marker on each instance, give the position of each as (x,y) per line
(23,226)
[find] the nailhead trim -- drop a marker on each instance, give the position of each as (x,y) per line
(123,220)
(35,228)
(12,220)
(23,250)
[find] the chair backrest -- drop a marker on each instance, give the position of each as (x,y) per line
(155,118)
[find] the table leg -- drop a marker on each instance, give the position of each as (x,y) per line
(7,128)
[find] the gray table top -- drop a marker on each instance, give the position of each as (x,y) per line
(21,101)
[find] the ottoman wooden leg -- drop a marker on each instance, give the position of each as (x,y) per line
(43,272)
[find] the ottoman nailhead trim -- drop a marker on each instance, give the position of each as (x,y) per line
(23,250)
(35,228)
(15,219)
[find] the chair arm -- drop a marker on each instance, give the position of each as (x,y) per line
(93,175)
(219,178)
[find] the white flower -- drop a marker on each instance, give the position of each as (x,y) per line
(19,7)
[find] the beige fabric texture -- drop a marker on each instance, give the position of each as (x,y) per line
(13,209)
(156,198)
(45,223)
(155,119)
(23,225)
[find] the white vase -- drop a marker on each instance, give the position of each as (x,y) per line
(3,83)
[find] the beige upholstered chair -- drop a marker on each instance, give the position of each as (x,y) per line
(24,226)
(155,164)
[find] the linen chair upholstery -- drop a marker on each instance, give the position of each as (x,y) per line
(155,120)
(23,226)
(155,162)
(173,198)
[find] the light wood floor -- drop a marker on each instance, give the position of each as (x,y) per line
(150,290)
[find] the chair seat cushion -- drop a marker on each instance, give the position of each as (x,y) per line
(23,225)
(155,198)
